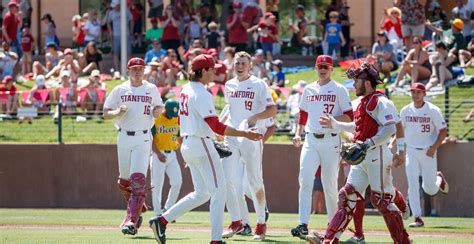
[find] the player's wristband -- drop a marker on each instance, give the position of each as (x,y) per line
(400,144)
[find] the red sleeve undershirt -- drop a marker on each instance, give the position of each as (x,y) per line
(350,113)
(216,126)
(303,117)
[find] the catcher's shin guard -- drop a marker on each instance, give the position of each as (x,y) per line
(391,214)
(346,204)
(126,190)
(137,198)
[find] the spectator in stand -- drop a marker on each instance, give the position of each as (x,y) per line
(300,36)
(452,38)
(8,62)
(27,42)
(69,63)
(156,9)
(26,10)
(442,63)
(114,25)
(438,15)
(92,29)
(392,24)
(155,74)
(155,32)
(214,39)
(171,38)
(413,19)
(220,70)
(90,58)
(185,55)
(417,64)
(11,21)
(136,10)
(49,31)
(34,98)
(192,30)
(70,100)
(461,11)
(466,57)
(268,33)
(171,67)
(229,53)
(52,57)
(293,104)
(155,52)
(272,7)
(259,69)
(79,34)
(384,56)
(91,103)
(346,28)
(278,79)
(236,28)
(11,102)
(333,35)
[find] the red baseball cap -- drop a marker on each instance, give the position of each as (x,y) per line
(202,61)
(269,15)
(418,86)
(154,20)
(237,5)
(7,79)
(135,62)
(213,52)
(13,4)
(324,59)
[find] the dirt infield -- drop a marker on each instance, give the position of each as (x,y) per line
(190,229)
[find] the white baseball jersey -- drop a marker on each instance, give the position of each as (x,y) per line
(195,104)
(139,101)
(331,98)
(422,125)
(245,99)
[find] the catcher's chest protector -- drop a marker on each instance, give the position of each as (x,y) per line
(366,126)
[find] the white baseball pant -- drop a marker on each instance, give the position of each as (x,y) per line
(316,152)
(419,164)
(133,153)
(208,180)
(250,153)
(158,170)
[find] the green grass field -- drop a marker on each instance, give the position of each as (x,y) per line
(97,130)
(101,226)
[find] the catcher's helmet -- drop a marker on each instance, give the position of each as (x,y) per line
(171,108)
(364,70)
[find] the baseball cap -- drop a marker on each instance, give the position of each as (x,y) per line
(65,73)
(52,44)
(269,15)
(202,61)
(324,59)
(277,62)
(418,86)
(171,108)
(67,51)
(135,62)
(364,70)
(40,80)
(114,3)
(258,52)
(458,23)
(213,52)
(13,4)
(7,79)
(95,73)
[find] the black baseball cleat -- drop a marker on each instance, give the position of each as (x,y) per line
(247,230)
(267,214)
(159,229)
(139,222)
(129,228)
(300,231)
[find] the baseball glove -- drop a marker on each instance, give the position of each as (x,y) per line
(354,153)
(223,150)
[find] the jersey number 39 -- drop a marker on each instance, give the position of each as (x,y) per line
(183,110)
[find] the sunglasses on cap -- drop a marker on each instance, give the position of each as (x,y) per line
(323,66)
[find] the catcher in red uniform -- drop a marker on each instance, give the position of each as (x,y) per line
(371,159)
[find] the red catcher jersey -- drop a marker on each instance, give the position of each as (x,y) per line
(331,98)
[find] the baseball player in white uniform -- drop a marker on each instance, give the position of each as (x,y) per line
(133,104)
(374,124)
(425,130)
(198,123)
(250,104)
(321,147)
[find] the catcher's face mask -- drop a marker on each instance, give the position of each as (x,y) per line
(365,71)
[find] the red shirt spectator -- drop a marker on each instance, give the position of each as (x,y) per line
(267,28)
(252,15)
(388,24)
(170,32)
(220,69)
(237,32)
(10,24)
(27,42)
(8,85)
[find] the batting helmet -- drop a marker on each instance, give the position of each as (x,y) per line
(171,108)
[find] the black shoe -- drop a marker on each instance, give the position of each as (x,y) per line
(139,222)
(158,229)
(129,229)
(267,214)
(300,231)
(247,231)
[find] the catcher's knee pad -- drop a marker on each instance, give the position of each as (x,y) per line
(124,187)
(400,201)
(137,198)
(138,184)
(347,200)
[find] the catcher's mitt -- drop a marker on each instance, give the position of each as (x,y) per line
(223,150)
(354,153)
